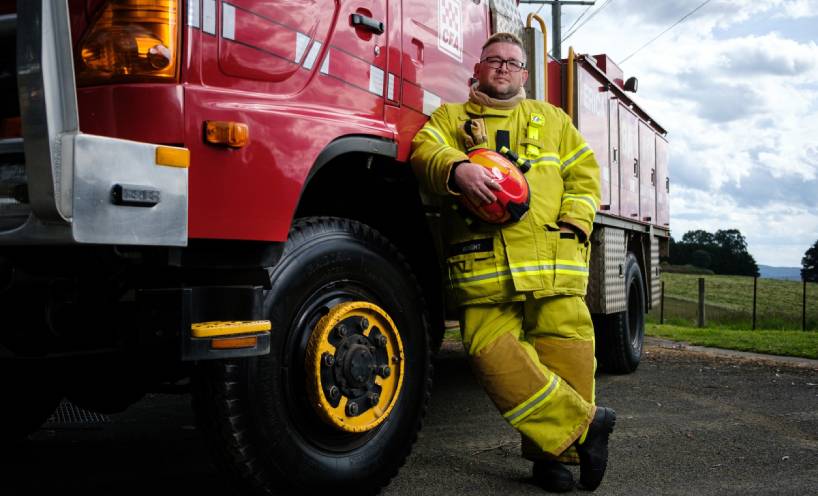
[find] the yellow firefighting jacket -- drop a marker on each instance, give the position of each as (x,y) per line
(488,263)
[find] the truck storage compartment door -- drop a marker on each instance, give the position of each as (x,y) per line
(629,164)
(662,183)
(592,121)
(613,155)
(647,173)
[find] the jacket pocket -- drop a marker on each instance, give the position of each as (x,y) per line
(473,275)
(571,265)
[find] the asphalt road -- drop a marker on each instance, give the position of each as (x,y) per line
(688,423)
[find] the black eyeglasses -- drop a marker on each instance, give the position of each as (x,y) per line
(513,65)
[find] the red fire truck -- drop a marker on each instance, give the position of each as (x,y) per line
(218,190)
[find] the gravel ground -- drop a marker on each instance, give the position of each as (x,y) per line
(690,421)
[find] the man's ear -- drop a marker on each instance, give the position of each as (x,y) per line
(524,76)
(476,69)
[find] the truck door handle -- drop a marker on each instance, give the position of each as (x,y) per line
(368,23)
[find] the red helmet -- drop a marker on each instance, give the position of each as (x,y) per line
(512,197)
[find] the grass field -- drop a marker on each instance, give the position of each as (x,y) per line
(788,343)
(729,302)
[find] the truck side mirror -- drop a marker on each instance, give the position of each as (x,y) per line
(631,84)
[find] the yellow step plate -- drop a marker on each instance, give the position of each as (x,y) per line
(228,328)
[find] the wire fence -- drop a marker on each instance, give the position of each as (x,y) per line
(737,302)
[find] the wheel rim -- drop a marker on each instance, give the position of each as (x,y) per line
(354,367)
(635,316)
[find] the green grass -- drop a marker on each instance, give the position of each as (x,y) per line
(773,342)
(729,302)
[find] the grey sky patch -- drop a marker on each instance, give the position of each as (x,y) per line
(716,101)
(760,188)
(685,173)
(761,60)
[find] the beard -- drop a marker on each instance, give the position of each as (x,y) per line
(499,95)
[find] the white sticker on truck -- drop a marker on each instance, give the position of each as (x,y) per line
(450,28)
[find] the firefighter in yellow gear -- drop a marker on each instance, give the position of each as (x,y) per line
(520,286)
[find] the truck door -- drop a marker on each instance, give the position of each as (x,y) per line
(662,183)
(629,163)
(647,173)
(613,156)
(592,121)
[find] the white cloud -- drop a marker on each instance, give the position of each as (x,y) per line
(739,97)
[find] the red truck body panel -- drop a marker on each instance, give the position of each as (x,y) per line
(301,75)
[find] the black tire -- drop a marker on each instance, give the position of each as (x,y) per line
(254,411)
(30,396)
(620,336)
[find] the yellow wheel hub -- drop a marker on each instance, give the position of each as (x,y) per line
(354,366)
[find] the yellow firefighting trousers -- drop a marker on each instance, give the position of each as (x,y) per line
(535,359)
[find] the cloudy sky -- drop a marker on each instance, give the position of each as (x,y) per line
(736,86)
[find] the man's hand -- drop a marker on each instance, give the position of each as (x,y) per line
(476,183)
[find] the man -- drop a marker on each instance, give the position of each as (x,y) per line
(520,286)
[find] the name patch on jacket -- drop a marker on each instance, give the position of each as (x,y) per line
(473,246)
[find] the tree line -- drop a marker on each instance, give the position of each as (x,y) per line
(723,252)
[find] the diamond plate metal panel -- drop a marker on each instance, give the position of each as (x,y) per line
(606,284)
(505,17)
(615,249)
(655,273)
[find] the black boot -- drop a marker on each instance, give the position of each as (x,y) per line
(593,453)
(553,476)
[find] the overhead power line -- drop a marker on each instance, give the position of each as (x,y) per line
(593,14)
(578,19)
(666,30)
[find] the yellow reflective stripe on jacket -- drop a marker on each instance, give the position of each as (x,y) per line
(570,267)
(525,269)
(575,156)
(434,133)
(481,277)
(524,409)
(546,159)
(587,199)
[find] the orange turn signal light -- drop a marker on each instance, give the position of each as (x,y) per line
(227,133)
(233,343)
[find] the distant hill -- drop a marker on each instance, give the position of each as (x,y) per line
(787,273)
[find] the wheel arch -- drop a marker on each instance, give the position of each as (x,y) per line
(359,177)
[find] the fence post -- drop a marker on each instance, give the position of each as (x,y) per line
(755,293)
(662,305)
(804,307)
(701,302)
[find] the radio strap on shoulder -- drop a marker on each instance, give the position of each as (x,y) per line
(535,122)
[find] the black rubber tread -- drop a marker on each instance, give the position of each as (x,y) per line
(615,352)
(224,391)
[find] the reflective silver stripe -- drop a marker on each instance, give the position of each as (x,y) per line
(430,102)
(533,268)
(194,13)
(209,16)
(536,402)
(312,55)
(590,201)
(574,157)
(545,159)
(437,135)
(228,21)
(482,277)
(572,268)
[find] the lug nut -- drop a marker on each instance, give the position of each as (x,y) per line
(341,330)
(364,324)
(380,340)
(328,359)
(334,393)
(373,398)
(352,409)
(384,371)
